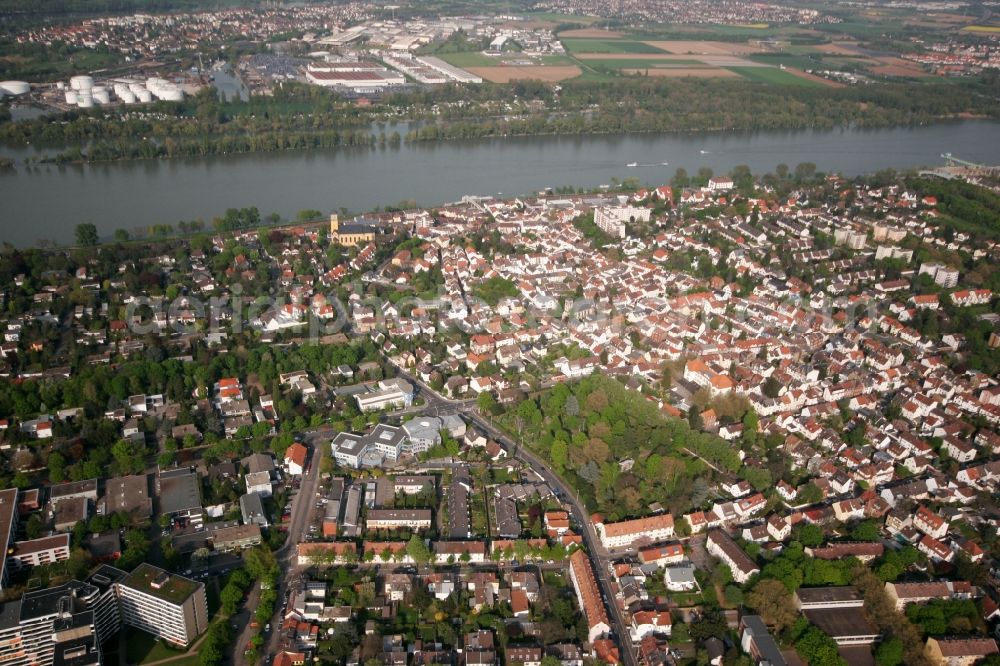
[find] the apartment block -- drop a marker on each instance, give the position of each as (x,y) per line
(168,606)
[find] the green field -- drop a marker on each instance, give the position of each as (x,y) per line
(786,59)
(469,59)
(774,76)
(640,63)
(477,59)
(556,60)
(608,46)
(562,18)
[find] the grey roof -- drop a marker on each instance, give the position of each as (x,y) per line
(680,574)
(130,494)
(180,490)
(766,645)
(252,508)
(386,435)
(259,462)
(348,443)
(10,614)
(424,427)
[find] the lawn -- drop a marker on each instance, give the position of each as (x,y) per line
(141,648)
(608,46)
(989,29)
(774,76)
(639,63)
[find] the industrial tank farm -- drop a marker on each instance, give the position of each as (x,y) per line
(84,93)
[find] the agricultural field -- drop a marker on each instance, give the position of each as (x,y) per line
(988,29)
(703,47)
(888,66)
(680,72)
(774,76)
(788,60)
(641,63)
(608,46)
(546,73)
(469,59)
(591,33)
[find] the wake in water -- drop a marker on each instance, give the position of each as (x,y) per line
(636,165)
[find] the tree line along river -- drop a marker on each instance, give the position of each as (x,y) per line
(46,202)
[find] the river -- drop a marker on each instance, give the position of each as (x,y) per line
(48,201)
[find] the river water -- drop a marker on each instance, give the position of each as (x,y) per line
(48,201)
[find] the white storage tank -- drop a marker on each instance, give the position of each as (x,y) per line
(171,94)
(144,96)
(85,99)
(15,87)
(81,83)
(136,88)
(71,97)
(101,95)
(127,96)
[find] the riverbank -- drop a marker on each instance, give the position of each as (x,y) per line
(48,201)
(302,119)
(114,152)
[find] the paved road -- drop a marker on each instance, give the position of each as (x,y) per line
(241,623)
(303,506)
(599,557)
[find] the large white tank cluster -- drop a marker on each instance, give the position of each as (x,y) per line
(83,93)
(15,88)
(124,93)
(165,90)
(79,83)
(101,95)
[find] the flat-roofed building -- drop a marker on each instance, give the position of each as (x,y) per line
(8,522)
(413,484)
(35,552)
(827,608)
(62,491)
(388,519)
(236,537)
(56,621)
(168,606)
(180,495)
(68,512)
(129,494)
(390,394)
(107,614)
(259,483)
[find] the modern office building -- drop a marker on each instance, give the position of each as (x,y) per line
(166,605)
